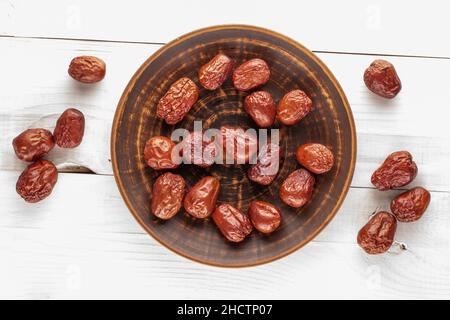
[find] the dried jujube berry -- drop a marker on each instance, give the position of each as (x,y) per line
(410,205)
(158,153)
(214,73)
(69,130)
(266,169)
(251,74)
(382,79)
(232,223)
(177,101)
(167,195)
(397,170)
(239,146)
(87,69)
(37,181)
(201,200)
(315,157)
(293,107)
(199,150)
(261,108)
(33,144)
(265,217)
(298,188)
(378,234)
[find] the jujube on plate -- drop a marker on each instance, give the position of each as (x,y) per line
(261,108)
(214,73)
(177,101)
(167,195)
(239,145)
(298,188)
(293,107)
(201,200)
(69,130)
(33,144)
(37,181)
(158,153)
(265,217)
(382,79)
(411,205)
(315,157)
(234,225)
(199,150)
(87,69)
(397,170)
(251,74)
(267,166)
(378,233)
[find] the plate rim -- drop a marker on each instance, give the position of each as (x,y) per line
(121,105)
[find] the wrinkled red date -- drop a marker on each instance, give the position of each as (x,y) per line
(201,200)
(33,144)
(69,130)
(293,107)
(37,181)
(396,171)
(378,234)
(177,101)
(266,169)
(214,73)
(411,205)
(158,153)
(251,74)
(87,69)
(261,108)
(315,157)
(265,217)
(298,188)
(382,79)
(232,223)
(199,150)
(239,146)
(167,195)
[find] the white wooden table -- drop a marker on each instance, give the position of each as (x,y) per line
(83,243)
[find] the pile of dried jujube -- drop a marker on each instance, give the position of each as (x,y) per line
(38,179)
(200,201)
(398,170)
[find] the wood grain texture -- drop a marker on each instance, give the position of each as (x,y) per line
(74,243)
(416,120)
(292,67)
(67,248)
(38,89)
(382,26)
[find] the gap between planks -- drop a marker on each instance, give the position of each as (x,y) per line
(162,44)
(86,171)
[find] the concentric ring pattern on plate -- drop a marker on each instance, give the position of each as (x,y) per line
(292,66)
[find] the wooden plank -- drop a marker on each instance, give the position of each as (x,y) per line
(66,248)
(358,26)
(416,120)
(36,92)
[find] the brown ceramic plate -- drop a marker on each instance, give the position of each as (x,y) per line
(292,66)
